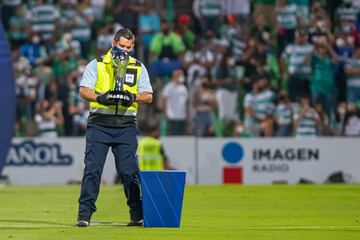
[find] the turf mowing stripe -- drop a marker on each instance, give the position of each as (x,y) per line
(357,228)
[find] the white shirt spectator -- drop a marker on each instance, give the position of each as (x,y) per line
(177,97)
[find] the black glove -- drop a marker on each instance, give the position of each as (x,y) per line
(107,99)
(127,98)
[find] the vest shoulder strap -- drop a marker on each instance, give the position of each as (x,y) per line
(100,58)
(137,63)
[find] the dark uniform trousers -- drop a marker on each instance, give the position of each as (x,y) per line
(123,143)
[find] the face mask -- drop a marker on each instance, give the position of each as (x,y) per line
(35,40)
(67,36)
(117,50)
(346,28)
(181,79)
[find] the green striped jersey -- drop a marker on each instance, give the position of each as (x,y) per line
(283,113)
(80,29)
(345,13)
(210,8)
(296,54)
(353,81)
(261,103)
(286,17)
(307,125)
(11,2)
(42,19)
(47,128)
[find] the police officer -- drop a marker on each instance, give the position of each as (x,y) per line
(151,152)
(112,123)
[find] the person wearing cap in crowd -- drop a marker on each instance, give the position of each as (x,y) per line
(112,123)
(188,36)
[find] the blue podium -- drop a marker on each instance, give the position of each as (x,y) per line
(162,197)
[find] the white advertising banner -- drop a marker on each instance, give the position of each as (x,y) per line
(264,161)
(205,160)
(61,161)
(50,161)
(181,153)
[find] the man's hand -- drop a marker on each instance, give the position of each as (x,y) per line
(127,98)
(107,99)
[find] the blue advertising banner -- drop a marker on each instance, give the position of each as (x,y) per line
(7,98)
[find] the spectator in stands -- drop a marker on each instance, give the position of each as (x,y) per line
(236,35)
(319,25)
(43,18)
(287,21)
(255,59)
(344,47)
(66,59)
(209,14)
(306,121)
(166,49)
(293,65)
(149,25)
(78,17)
(324,128)
(346,13)
(25,86)
(258,105)
(227,90)
(17,26)
(240,9)
(283,116)
(352,70)
(99,7)
(104,37)
(204,103)
(267,9)
(261,30)
(48,117)
(184,30)
(174,101)
(33,50)
(323,88)
(126,13)
(8,10)
(197,62)
(78,109)
(302,7)
(352,121)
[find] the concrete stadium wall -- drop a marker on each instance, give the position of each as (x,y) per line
(206,160)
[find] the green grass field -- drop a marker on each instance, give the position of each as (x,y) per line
(209,212)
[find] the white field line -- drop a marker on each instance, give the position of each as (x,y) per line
(309,227)
(44,225)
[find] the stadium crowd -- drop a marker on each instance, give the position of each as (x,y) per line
(223,68)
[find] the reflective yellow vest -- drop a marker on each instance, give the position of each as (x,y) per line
(106,82)
(149,152)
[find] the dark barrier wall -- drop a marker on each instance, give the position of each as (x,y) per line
(7,98)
